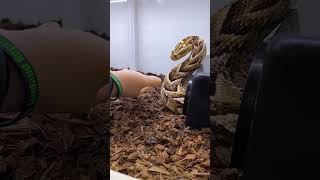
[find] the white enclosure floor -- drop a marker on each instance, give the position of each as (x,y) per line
(114,175)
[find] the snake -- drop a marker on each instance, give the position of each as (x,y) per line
(236,31)
(173,87)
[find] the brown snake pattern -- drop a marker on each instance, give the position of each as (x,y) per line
(174,85)
(235,32)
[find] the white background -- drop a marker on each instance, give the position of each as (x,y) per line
(119,36)
(145,43)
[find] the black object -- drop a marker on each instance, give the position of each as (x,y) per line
(248,105)
(196,103)
(279,140)
(247,108)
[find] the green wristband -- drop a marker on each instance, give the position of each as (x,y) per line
(27,74)
(118,84)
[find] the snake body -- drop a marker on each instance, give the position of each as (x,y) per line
(174,85)
(235,32)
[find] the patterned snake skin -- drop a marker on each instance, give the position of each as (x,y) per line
(175,83)
(236,31)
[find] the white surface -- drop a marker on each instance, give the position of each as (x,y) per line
(80,14)
(117,1)
(160,25)
(120,46)
(119,176)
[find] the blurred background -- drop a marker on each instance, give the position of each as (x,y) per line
(307,24)
(45,154)
(144,32)
(78,14)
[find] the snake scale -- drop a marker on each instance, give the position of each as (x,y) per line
(174,85)
(236,31)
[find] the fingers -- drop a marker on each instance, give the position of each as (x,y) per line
(145,89)
(147,80)
(153,81)
(134,82)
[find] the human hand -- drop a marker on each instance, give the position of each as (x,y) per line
(70,66)
(134,82)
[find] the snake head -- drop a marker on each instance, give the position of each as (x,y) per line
(182,48)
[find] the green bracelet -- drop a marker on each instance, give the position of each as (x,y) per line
(118,84)
(28,75)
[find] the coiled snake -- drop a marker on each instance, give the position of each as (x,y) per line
(235,33)
(174,85)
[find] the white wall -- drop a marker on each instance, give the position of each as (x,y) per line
(80,14)
(160,25)
(120,56)
(163,23)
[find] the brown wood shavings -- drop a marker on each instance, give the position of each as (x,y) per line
(150,142)
(55,146)
(223,129)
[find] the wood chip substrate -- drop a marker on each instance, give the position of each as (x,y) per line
(55,147)
(223,129)
(147,141)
